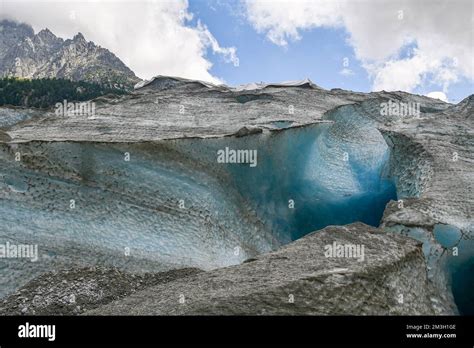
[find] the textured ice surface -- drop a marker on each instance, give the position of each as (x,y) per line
(302,181)
(449,253)
(158,206)
(320,285)
(345,161)
(172,203)
(459,248)
(11,116)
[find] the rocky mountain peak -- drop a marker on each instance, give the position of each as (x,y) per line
(46,34)
(79,38)
(44,55)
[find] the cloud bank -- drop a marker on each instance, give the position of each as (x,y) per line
(151,37)
(402,44)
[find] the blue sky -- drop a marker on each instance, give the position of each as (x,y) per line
(318,55)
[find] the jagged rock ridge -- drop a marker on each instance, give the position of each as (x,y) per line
(44,55)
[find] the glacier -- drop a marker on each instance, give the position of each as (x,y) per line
(139,187)
(172,203)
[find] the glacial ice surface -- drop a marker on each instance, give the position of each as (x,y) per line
(459,264)
(173,203)
(449,254)
(83,203)
(307,178)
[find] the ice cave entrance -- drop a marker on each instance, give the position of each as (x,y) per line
(310,177)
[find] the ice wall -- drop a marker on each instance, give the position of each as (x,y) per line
(309,177)
(171,204)
(135,206)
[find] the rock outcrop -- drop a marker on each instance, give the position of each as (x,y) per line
(44,55)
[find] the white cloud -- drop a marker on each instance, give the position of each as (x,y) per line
(229,53)
(282,20)
(440,30)
(151,37)
(438,95)
(402,74)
